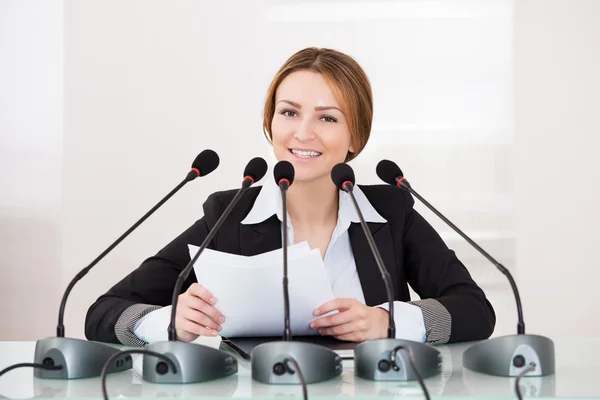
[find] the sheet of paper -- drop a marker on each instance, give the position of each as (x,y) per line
(249,290)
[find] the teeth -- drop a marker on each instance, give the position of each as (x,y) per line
(306,154)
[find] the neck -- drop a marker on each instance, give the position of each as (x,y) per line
(313,202)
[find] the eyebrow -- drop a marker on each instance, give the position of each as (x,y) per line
(322,108)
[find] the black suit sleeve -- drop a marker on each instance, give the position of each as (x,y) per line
(434,272)
(152,283)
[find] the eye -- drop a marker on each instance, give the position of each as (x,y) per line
(288,113)
(328,118)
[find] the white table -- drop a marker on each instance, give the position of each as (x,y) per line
(577,376)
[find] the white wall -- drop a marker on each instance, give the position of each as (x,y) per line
(557,98)
(462,87)
(31,128)
(149,84)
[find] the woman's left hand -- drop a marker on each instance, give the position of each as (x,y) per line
(354,321)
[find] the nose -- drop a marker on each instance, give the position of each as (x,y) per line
(304,132)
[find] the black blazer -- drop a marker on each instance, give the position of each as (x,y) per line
(413,253)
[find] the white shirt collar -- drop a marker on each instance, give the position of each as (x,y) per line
(268,203)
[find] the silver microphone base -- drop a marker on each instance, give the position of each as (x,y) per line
(372,360)
(194,362)
(509,355)
(317,363)
(79,358)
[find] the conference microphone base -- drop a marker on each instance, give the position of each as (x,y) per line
(509,355)
(194,362)
(79,358)
(317,363)
(373,360)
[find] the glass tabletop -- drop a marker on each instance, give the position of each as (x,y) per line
(576,372)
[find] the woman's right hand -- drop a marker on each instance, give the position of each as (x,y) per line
(196,315)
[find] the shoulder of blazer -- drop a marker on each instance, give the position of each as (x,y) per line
(391,202)
(217,202)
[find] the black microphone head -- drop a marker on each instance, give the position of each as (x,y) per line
(206,162)
(389,172)
(255,169)
(284,170)
(341,174)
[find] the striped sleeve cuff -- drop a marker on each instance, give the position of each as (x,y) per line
(438,322)
(126,323)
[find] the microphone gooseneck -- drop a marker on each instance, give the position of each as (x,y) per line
(342,176)
(390,173)
(254,171)
(205,162)
(284,177)
(312,363)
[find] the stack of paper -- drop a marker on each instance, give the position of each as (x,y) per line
(249,290)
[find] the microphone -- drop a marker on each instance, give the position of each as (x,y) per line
(197,363)
(343,177)
(284,177)
(505,355)
(380,359)
(270,362)
(84,359)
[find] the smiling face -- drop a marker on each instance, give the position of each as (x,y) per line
(309,128)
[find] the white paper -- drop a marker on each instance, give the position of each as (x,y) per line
(249,290)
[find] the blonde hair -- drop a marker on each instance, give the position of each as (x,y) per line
(348,81)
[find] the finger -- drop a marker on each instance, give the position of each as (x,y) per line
(200,319)
(185,336)
(338,330)
(333,320)
(198,290)
(352,337)
(205,308)
(335,304)
(194,328)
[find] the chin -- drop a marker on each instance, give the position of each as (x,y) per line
(305,178)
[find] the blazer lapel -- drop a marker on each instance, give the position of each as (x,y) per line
(366,267)
(260,238)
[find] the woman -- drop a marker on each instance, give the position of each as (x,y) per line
(318,113)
